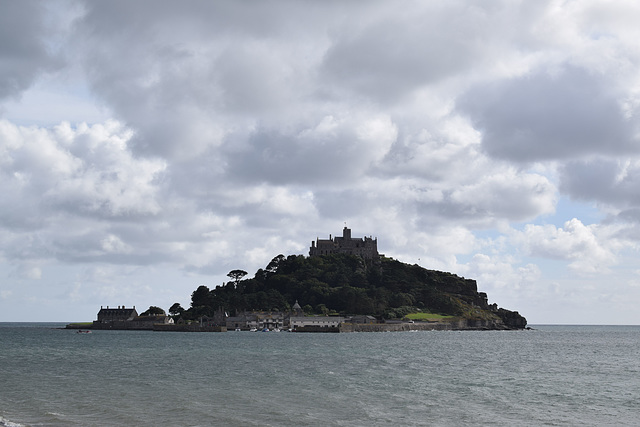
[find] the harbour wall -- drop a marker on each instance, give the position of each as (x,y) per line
(459,325)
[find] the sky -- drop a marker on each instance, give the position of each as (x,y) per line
(150,147)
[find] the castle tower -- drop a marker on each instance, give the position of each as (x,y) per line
(346,233)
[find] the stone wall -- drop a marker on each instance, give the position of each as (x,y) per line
(149,326)
(194,327)
(461,325)
(317,329)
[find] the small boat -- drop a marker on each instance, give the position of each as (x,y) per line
(253,330)
(80,331)
(265,330)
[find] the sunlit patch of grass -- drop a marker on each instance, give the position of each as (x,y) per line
(428,316)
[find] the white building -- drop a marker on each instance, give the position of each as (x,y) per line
(317,321)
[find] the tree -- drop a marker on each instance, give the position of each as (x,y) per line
(201,297)
(275,263)
(153,311)
(176,309)
(236,275)
(322,309)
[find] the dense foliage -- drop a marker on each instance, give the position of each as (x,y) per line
(344,284)
(153,311)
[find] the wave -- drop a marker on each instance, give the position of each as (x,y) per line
(6,423)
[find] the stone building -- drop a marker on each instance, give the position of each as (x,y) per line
(123,318)
(366,247)
(106,315)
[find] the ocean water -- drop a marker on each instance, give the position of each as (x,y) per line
(553,375)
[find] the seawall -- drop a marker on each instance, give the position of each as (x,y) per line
(459,325)
(194,327)
(147,326)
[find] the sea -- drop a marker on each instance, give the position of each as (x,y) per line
(547,376)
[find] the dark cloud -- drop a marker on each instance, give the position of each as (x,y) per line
(24,53)
(333,151)
(544,116)
(614,182)
(393,51)
(187,77)
(390,57)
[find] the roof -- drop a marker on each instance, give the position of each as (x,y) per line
(317,318)
(114,311)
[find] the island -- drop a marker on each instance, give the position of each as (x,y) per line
(343,285)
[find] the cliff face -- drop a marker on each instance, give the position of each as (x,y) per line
(347,284)
(513,319)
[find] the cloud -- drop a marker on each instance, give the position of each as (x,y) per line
(193,88)
(24,46)
(589,249)
(334,150)
(220,134)
(28,271)
(508,195)
(85,170)
(545,116)
(372,59)
(59,186)
(500,272)
(604,180)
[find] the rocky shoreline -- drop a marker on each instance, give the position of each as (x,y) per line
(455,325)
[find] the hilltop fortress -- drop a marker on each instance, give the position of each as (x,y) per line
(362,297)
(366,247)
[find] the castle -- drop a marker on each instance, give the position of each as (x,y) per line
(365,247)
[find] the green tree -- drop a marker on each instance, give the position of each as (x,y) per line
(341,283)
(153,311)
(176,309)
(322,309)
(201,297)
(275,263)
(236,275)
(308,310)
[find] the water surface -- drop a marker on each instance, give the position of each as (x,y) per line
(554,375)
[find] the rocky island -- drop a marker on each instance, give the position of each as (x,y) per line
(343,285)
(345,277)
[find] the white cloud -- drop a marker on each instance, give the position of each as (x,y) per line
(589,249)
(495,272)
(87,170)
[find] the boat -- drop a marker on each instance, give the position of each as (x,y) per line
(80,331)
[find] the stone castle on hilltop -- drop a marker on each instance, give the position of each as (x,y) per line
(366,247)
